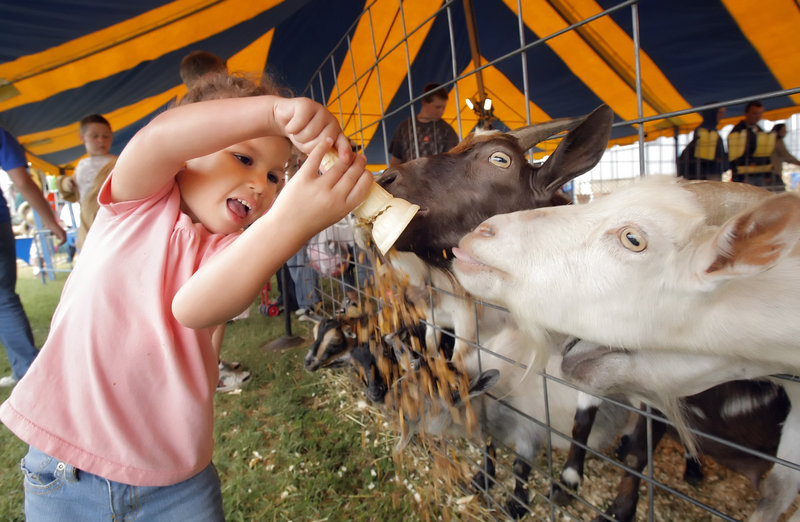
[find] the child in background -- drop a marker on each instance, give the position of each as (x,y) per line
(130,429)
(198,64)
(96,136)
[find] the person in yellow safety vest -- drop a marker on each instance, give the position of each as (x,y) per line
(750,150)
(704,157)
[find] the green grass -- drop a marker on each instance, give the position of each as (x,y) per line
(292,445)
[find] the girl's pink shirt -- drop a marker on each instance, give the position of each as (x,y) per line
(120,389)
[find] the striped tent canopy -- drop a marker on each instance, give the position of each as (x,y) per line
(369,59)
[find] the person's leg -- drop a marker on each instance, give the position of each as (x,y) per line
(55,490)
(362,268)
(15,330)
(305,281)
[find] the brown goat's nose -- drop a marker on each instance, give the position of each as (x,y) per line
(486,230)
(387,178)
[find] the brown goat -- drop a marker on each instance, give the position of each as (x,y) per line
(484,175)
(488,174)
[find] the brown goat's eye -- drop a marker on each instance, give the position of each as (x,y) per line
(632,239)
(501,159)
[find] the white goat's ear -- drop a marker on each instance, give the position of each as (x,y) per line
(757,239)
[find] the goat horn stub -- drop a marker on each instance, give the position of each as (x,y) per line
(529,136)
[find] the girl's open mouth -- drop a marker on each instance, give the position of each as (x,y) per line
(239,207)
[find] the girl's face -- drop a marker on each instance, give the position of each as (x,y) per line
(230,189)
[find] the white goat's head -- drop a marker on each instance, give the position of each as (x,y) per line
(650,267)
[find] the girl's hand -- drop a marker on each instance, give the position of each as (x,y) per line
(320,201)
(307,124)
(231,279)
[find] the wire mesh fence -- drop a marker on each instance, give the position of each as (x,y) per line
(522,454)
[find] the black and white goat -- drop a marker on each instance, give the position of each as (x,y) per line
(336,340)
(484,175)
(745,413)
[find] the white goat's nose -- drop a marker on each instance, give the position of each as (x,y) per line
(486,230)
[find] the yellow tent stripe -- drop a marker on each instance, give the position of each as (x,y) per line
(772,29)
(250,59)
(66,137)
(95,42)
(109,51)
(48,169)
(383,19)
(508,101)
(253,58)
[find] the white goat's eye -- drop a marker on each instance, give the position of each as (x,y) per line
(632,239)
(501,159)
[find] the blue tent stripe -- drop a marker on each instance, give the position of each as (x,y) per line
(303,41)
(710,59)
(552,85)
(127,87)
(34,26)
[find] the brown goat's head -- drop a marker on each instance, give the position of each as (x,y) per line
(488,174)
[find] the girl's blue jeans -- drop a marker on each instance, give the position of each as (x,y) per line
(56,491)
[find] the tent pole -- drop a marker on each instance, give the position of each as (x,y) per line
(472,31)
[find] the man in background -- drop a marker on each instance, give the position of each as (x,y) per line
(750,148)
(433,135)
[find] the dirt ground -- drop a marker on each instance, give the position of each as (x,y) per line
(443,469)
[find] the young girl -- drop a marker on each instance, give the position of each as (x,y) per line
(119,415)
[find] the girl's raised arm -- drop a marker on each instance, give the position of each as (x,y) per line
(229,282)
(156,153)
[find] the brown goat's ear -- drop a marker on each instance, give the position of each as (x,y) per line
(757,239)
(578,152)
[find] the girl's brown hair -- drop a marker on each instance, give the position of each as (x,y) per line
(219,86)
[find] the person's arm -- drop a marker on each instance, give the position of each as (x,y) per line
(33,195)
(225,285)
(159,151)
(783,153)
(229,282)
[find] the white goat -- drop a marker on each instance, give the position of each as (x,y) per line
(699,289)
(651,266)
